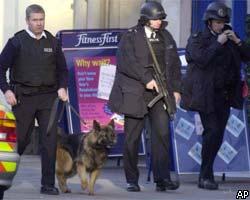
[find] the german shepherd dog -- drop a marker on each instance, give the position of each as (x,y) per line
(83,154)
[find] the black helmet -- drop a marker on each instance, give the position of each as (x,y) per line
(217,10)
(152,10)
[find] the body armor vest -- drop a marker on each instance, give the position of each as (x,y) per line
(35,64)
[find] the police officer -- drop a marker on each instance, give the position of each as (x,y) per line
(135,87)
(213,84)
(38,74)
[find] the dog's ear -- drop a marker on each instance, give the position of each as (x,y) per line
(112,123)
(96,126)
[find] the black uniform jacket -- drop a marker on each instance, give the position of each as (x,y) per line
(127,95)
(205,55)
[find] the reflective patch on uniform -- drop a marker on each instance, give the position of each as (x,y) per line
(154,39)
(7,166)
(7,147)
(49,50)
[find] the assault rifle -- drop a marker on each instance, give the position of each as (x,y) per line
(169,102)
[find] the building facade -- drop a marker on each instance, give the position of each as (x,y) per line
(183,15)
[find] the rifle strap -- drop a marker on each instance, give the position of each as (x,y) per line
(153,55)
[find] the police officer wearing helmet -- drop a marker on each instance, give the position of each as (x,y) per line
(38,75)
(135,87)
(213,84)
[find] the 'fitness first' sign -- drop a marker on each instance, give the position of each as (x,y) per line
(90,39)
(99,40)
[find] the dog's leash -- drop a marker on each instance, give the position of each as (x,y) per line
(66,103)
(54,112)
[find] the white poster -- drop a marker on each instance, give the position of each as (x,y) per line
(184,128)
(235,126)
(227,152)
(195,152)
(106,80)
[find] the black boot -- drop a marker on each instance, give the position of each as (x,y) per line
(208,184)
(133,187)
(50,190)
(166,185)
(160,187)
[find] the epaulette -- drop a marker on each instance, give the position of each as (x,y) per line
(133,29)
(19,32)
(196,34)
(48,33)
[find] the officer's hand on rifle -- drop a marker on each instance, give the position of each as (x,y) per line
(10,97)
(152,85)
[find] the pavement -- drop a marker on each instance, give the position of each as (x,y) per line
(111,185)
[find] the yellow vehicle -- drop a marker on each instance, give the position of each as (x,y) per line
(9,158)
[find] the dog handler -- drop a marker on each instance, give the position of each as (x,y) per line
(135,87)
(38,74)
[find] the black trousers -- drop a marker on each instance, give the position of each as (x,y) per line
(37,106)
(159,120)
(214,126)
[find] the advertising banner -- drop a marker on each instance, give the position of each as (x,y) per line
(91,59)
